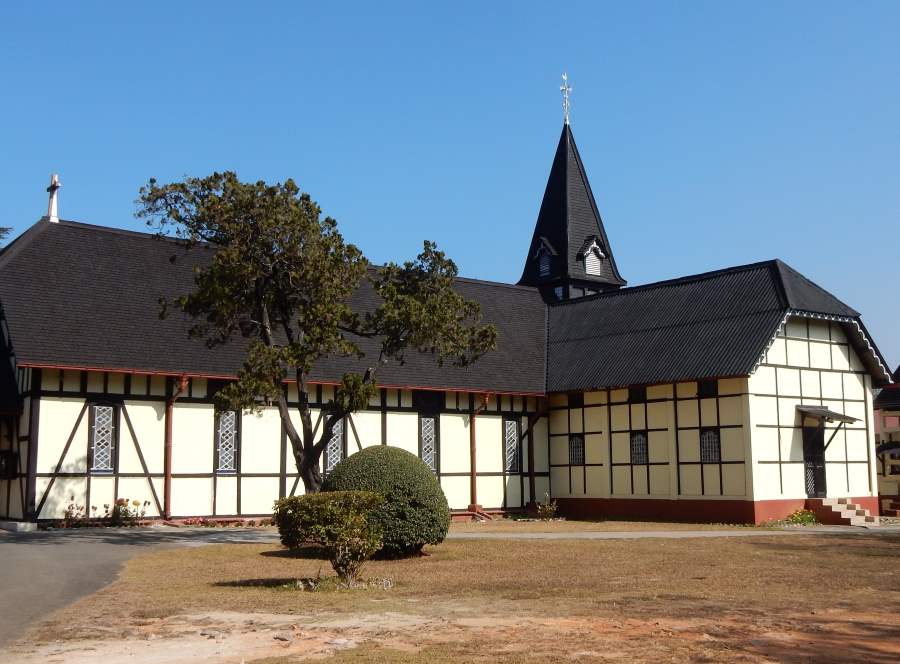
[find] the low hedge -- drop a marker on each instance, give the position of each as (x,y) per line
(414,512)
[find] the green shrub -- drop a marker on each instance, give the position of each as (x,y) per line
(546,510)
(414,512)
(801,518)
(339,522)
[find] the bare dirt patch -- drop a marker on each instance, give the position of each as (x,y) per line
(717,600)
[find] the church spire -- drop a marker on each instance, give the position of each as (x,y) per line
(570,255)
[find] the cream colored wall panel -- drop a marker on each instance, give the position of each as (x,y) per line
(328,394)
(621,448)
(686,390)
(192,441)
(787,411)
(595,418)
(618,396)
(368,428)
(72,381)
(149,421)
(518,404)
(659,391)
(840,357)
(575,421)
(689,445)
(57,419)
(406,398)
(857,444)
(832,385)
(455,444)
(619,417)
(659,480)
(198,388)
(731,411)
(690,480)
(513,492)
(95,381)
(711,486)
(158,385)
(708,417)
(138,488)
(115,383)
(226,496)
(732,386)
(765,444)
(794,479)
(835,449)
(289,484)
(797,353)
(640,481)
(489,445)
(638,417)
(103,492)
(595,448)
(261,442)
(766,481)
(788,382)
(559,482)
(621,480)
(856,409)
(809,384)
(559,421)
(791,444)
(688,415)
(597,481)
(557,400)
(595,397)
(64,491)
(732,441)
(837,333)
(763,381)
(733,480)
(820,355)
(777,353)
(795,327)
(855,363)
(577,481)
(191,496)
(658,446)
(541,449)
(818,329)
(658,414)
(403,431)
(50,379)
(859,479)
(457,491)
(542,488)
(853,386)
(836,479)
(258,494)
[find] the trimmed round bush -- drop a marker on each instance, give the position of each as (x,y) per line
(414,512)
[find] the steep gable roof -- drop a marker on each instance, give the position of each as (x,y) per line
(567,219)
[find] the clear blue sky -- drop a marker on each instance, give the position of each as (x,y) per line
(714,134)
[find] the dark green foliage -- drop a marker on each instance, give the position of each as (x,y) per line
(340,522)
(414,512)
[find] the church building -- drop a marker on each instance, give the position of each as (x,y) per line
(738,395)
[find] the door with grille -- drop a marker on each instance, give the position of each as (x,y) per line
(814,461)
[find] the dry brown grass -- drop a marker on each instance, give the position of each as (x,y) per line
(835,598)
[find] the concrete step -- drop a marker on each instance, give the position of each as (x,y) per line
(890,512)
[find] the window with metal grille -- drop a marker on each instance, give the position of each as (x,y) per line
(576,450)
(639,452)
(226,441)
(708,388)
(334,450)
(428,441)
(103,437)
(710,446)
(637,394)
(512,453)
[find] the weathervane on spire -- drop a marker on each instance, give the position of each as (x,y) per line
(565,88)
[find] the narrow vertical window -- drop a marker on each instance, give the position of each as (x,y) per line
(334,451)
(576,450)
(544,264)
(710,446)
(103,437)
(512,453)
(428,441)
(639,452)
(226,441)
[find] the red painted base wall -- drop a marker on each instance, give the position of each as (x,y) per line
(697,511)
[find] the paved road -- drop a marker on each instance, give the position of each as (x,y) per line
(41,572)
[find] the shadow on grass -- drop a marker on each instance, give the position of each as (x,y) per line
(306,552)
(282,583)
(874,545)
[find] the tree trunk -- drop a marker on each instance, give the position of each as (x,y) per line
(309,473)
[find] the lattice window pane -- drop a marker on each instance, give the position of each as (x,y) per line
(334,451)
(103,437)
(428,431)
(710,446)
(639,452)
(576,450)
(511,446)
(227,441)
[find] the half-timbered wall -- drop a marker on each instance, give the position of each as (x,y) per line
(810,362)
(263,468)
(14,429)
(645,442)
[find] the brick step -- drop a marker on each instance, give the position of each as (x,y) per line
(890,512)
(841,511)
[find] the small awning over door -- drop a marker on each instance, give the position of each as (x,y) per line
(823,413)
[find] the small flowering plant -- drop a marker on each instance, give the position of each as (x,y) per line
(123,512)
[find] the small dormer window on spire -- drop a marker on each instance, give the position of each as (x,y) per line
(544,257)
(593,256)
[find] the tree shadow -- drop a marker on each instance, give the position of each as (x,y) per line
(142,536)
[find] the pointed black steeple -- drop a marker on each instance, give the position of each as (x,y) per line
(570,255)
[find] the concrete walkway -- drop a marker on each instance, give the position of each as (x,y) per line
(677,534)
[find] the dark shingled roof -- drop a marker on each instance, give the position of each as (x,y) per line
(86,296)
(710,325)
(568,217)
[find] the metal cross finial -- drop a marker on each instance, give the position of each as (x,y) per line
(565,88)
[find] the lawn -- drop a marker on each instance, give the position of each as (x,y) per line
(787,598)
